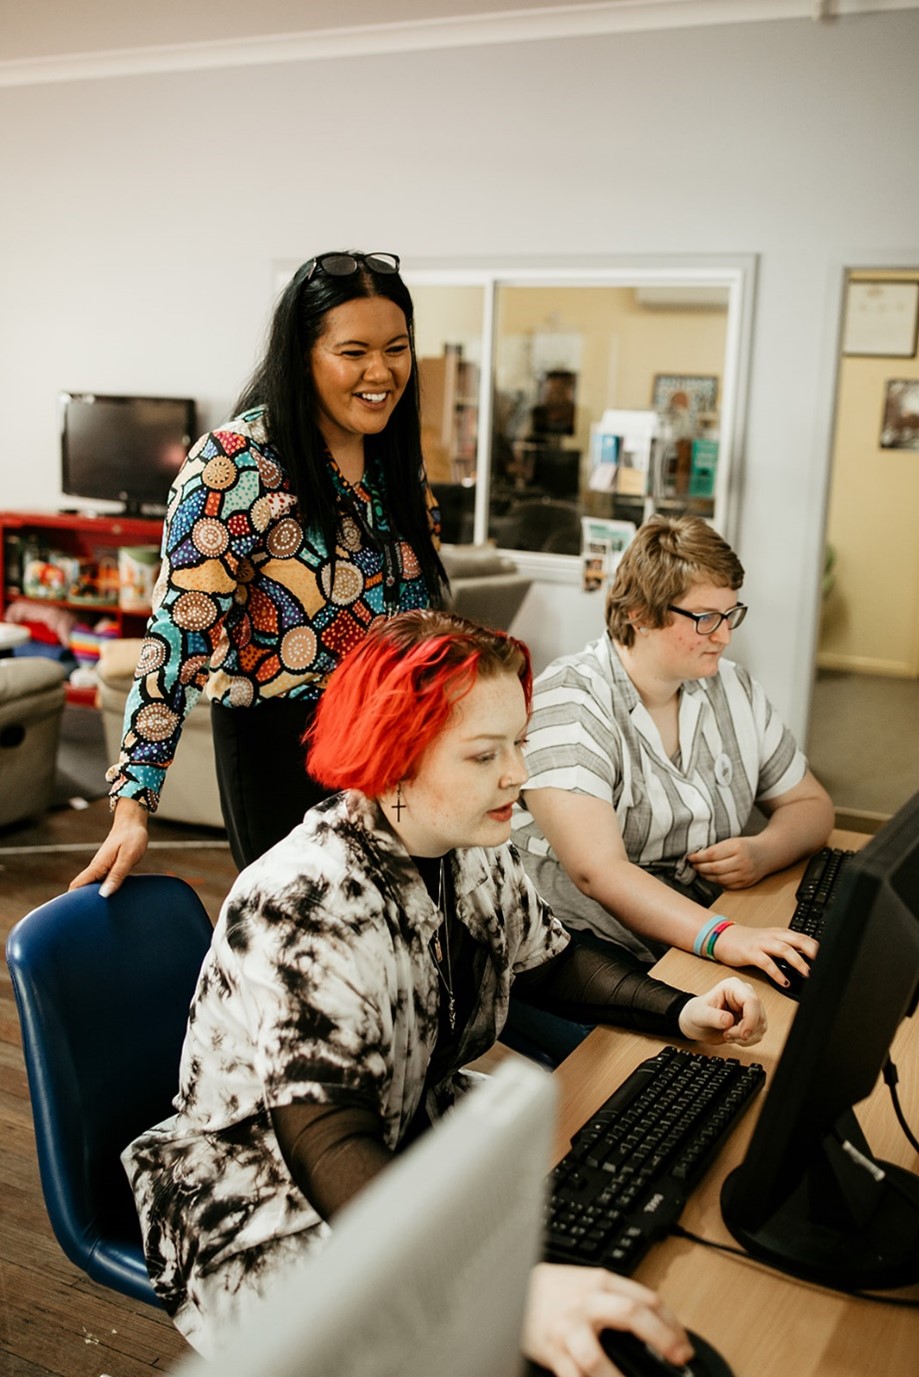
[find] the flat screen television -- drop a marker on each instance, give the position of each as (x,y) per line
(810,1197)
(124,449)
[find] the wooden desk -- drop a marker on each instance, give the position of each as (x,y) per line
(766,1324)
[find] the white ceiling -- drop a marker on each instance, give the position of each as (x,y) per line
(69,26)
(44,40)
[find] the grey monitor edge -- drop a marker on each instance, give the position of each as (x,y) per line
(426,1271)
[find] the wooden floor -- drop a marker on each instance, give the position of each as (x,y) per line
(53,1319)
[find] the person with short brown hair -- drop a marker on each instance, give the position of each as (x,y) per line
(666,556)
(648,753)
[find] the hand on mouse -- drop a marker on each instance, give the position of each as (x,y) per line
(731,1012)
(569,1307)
(738,945)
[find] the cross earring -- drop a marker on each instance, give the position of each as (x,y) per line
(399,805)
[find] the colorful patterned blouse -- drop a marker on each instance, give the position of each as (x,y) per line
(249,600)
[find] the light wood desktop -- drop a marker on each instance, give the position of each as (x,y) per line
(764,1323)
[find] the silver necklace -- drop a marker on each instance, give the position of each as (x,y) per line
(438,950)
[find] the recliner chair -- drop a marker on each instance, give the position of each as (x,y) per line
(32,696)
(103,988)
(190,793)
(485,586)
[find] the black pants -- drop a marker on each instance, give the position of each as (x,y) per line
(261,773)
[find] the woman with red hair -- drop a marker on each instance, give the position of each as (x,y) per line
(357,968)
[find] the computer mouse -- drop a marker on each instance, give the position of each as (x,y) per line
(634,1358)
(795,979)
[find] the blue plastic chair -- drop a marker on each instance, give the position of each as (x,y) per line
(103,988)
(543,1037)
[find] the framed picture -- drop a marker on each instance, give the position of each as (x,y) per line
(900,428)
(881,319)
(683,393)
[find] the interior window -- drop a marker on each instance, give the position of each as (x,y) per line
(550,399)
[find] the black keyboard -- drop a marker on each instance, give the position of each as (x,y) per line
(817,888)
(630,1169)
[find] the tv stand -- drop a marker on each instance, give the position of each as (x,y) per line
(140,511)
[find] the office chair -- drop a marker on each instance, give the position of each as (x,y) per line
(544,1037)
(103,987)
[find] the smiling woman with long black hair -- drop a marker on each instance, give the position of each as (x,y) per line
(289,529)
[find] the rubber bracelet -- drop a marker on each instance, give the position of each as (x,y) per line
(710,945)
(703,934)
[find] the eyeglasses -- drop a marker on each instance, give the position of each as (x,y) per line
(344,264)
(709,622)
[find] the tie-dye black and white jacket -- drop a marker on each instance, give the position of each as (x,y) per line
(319,979)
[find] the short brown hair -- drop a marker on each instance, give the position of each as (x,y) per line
(667,556)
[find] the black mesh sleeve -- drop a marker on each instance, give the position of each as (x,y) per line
(331,1150)
(609,986)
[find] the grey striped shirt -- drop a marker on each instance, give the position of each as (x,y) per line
(591,734)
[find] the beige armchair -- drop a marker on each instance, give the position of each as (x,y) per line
(32,696)
(190,793)
(486,587)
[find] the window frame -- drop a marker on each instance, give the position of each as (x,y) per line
(735,274)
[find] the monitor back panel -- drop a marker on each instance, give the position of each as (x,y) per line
(426,1272)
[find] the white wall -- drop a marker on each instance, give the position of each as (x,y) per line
(141,217)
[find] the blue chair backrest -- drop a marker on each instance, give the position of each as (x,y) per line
(103,988)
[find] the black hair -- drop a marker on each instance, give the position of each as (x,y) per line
(283,384)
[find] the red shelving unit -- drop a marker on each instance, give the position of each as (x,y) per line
(82,536)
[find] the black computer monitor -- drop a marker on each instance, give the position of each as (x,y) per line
(810,1198)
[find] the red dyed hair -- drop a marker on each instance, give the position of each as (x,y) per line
(392,696)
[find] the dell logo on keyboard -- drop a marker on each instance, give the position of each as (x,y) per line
(653,1203)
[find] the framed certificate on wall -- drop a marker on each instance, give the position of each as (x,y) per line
(881,319)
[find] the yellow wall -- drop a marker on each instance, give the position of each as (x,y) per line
(624,343)
(871,614)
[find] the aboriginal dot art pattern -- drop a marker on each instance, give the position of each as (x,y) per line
(250,598)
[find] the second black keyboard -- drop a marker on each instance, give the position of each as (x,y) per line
(815,892)
(630,1169)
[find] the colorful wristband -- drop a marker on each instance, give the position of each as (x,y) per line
(713,938)
(704,933)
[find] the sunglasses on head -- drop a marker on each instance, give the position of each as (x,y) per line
(344,264)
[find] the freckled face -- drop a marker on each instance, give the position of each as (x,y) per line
(360,366)
(680,652)
(470,777)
